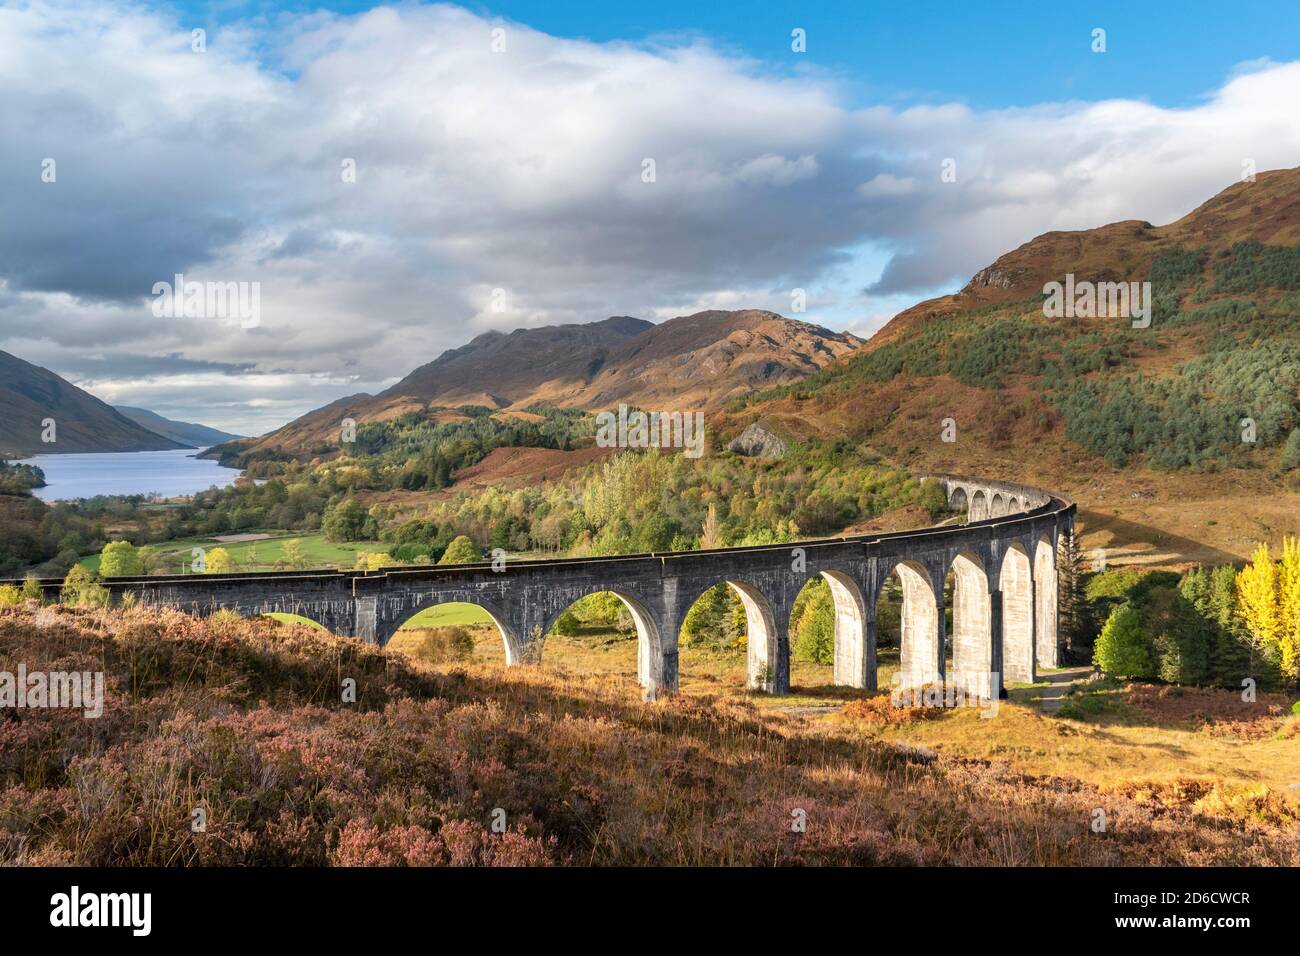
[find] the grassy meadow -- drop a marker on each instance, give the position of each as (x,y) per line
(264,554)
(1108,734)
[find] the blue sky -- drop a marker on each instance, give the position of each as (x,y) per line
(505,188)
(992,54)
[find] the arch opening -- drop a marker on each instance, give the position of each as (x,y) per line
(958,500)
(1017,586)
(734,614)
(451,631)
(828,626)
(598,627)
(998,506)
(979,506)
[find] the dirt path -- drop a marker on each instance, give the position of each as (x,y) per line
(1061,681)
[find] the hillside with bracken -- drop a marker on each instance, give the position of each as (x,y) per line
(245,719)
(1177,429)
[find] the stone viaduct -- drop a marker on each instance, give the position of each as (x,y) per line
(1002,562)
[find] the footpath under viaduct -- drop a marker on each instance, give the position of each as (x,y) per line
(1004,594)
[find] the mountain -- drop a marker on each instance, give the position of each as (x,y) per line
(1134,418)
(29,395)
(499,369)
(689,362)
(186,433)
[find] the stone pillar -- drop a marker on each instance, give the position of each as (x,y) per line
(995,638)
(1033,624)
(941,629)
(870,675)
(661,670)
(780,682)
(855,646)
(1016,584)
(657,650)
(1047,583)
(365,618)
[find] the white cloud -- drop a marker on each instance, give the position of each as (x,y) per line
(519,170)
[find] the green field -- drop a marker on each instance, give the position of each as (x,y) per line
(293,619)
(445,615)
(264,555)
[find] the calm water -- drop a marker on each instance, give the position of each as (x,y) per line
(129,473)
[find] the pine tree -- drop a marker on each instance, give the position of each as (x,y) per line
(1214,595)
(1074,618)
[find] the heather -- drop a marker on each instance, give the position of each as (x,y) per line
(250,722)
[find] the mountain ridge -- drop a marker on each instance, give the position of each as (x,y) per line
(29,395)
(694,361)
(189,434)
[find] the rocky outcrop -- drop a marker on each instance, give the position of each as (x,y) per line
(758,442)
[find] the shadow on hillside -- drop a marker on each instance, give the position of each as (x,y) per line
(1135,543)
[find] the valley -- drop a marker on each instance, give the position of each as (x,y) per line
(1179,442)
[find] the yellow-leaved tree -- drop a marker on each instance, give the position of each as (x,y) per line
(1268,600)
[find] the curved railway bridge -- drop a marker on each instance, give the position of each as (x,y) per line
(1003,562)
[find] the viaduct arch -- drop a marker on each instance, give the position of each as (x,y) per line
(1003,560)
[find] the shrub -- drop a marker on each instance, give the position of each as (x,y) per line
(218,561)
(445,645)
(1122,648)
(344,521)
(10,596)
(933,499)
(119,559)
(32,590)
(81,588)
(461,551)
(567,624)
(411,552)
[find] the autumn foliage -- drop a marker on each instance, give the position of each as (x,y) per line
(1269,604)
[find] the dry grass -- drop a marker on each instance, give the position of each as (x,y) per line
(244,719)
